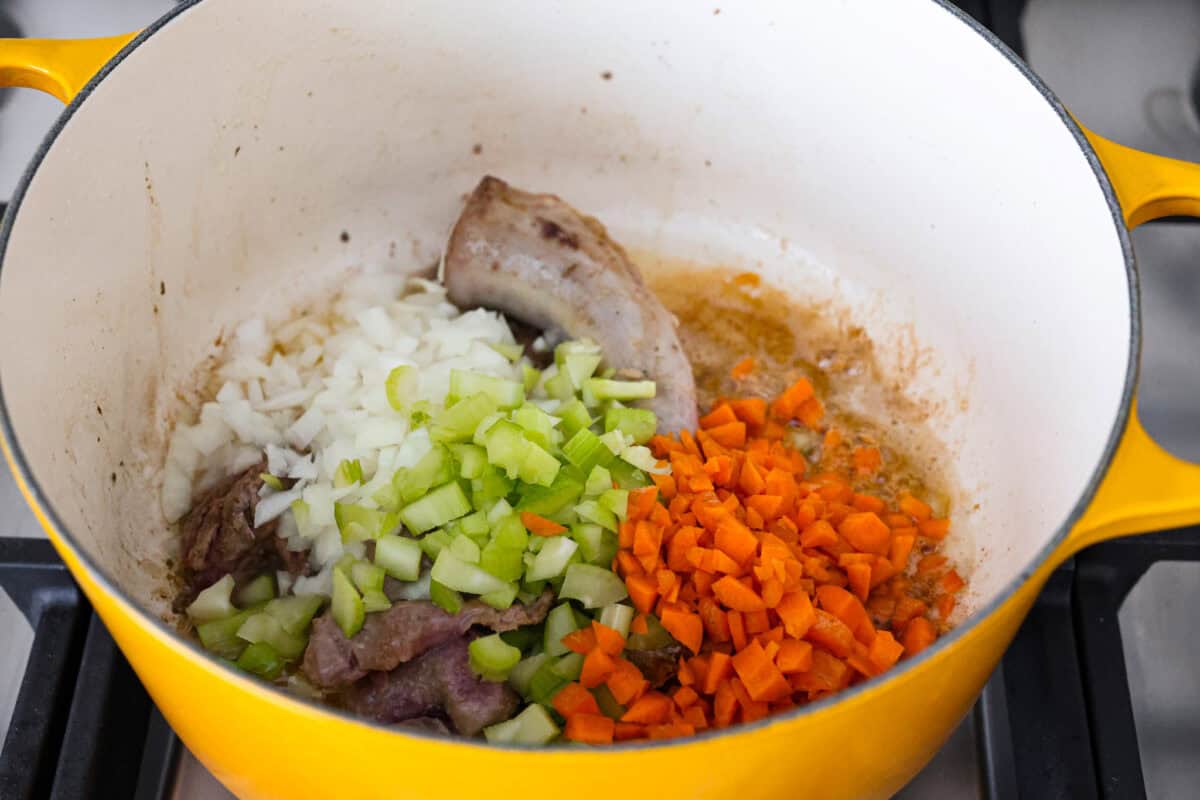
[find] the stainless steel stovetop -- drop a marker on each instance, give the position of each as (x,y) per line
(1128,69)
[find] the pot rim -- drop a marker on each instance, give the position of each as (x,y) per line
(944,643)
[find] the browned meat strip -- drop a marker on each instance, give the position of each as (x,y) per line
(219,537)
(538,259)
(658,665)
(400,634)
(440,680)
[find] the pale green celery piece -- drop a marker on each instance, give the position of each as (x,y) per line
(545,683)
(596,545)
(445,598)
(579,367)
(505,562)
(367,577)
(434,468)
(617,616)
(640,457)
(358,523)
(512,352)
(433,543)
(263,627)
(530,376)
(401,385)
(570,665)
(559,386)
(257,591)
(213,603)
(459,422)
(590,511)
(443,504)
(399,557)
(454,573)
(574,416)
(479,437)
(615,442)
(616,501)
(295,612)
(506,393)
(499,511)
(375,600)
(347,604)
(508,531)
(502,599)
(538,466)
(472,460)
(655,637)
(559,622)
(347,473)
(271,480)
(300,513)
(527,639)
(420,412)
(628,476)
(532,588)
(261,659)
(220,635)
(537,727)
(636,423)
(506,447)
(585,450)
(599,481)
(552,559)
(539,426)
(546,501)
(592,585)
(522,673)
(609,706)
(574,347)
(475,524)
(463,547)
(502,732)
(607,389)
(387,497)
(494,486)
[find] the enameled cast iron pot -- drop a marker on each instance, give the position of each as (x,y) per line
(891,156)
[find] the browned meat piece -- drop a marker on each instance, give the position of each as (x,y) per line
(538,259)
(658,665)
(400,634)
(440,680)
(219,537)
(427,725)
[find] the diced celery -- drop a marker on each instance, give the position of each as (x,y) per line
(261,659)
(433,469)
(585,450)
(511,351)
(502,561)
(458,422)
(608,704)
(574,416)
(347,604)
(615,442)
(263,627)
(445,503)
(579,367)
(475,524)
(375,600)
(502,732)
(538,467)
(387,497)
(295,612)
(502,599)
(479,438)
(596,545)
(545,683)
(599,481)
(462,546)
(493,486)
(559,622)
(301,514)
(574,347)
(399,557)
(367,577)
(569,666)
(522,673)
(272,481)
(617,616)
(508,531)
(472,460)
(433,542)
(527,638)
(506,393)
(655,637)
(347,473)
(604,389)
(592,585)
(640,457)
(530,377)
(552,559)
(257,591)
(559,386)
(445,598)
(532,726)
(549,500)
(401,386)
(506,447)
(616,501)
(454,573)
(637,423)
(220,635)
(539,426)
(532,588)
(499,511)
(420,412)
(590,511)
(628,476)
(358,523)
(214,602)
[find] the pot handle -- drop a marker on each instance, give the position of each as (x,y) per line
(60,67)
(1146,488)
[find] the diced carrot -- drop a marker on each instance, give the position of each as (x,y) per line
(833,439)
(581,641)
(731,434)
(716,625)
(818,534)
(643,591)
(750,410)
(772,591)
(695,716)
(944,606)
(751,708)
(641,503)
(811,412)
(640,625)
(735,540)
(589,729)
(721,415)
(652,708)
(906,609)
(607,639)
(932,564)
(720,667)
(597,667)
(915,508)
(735,595)
(848,609)
(866,532)
(673,730)
(742,369)
(725,704)
(788,404)
(626,682)
(934,528)
(647,539)
(918,634)
(767,505)
(884,651)
(902,545)
(574,699)
(627,731)
(750,479)
(881,570)
(625,533)
(685,696)
(951,582)
(683,540)
(859,576)
(665,484)
(540,526)
(685,626)
(893,520)
(831,633)
(758,673)
(794,656)
(867,460)
(737,629)
(757,621)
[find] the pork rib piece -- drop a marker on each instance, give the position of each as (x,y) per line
(534,257)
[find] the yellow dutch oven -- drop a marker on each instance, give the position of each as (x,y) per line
(892,159)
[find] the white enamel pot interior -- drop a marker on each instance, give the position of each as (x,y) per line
(884,155)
